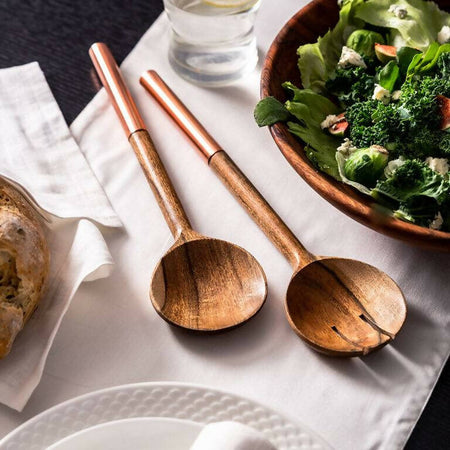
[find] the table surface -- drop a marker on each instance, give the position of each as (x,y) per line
(57,33)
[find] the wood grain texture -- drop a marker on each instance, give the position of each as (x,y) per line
(281,65)
(161,185)
(200,284)
(261,212)
(343,307)
(340,307)
(208,285)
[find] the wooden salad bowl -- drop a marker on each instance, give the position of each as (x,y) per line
(280,65)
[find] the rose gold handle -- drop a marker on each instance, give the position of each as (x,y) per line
(242,188)
(112,80)
(182,116)
(141,141)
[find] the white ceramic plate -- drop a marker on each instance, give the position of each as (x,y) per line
(137,434)
(185,402)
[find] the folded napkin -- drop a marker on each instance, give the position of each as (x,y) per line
(39,155)
(230,436)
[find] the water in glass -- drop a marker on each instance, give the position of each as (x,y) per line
(212,41)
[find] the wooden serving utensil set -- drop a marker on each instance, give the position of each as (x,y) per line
(340,307)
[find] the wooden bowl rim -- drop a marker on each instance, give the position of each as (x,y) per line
(358,206)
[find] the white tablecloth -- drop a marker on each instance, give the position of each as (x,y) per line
(111,334)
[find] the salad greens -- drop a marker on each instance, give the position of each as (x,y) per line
(418,30)
(374,111)
(363,42)
(318,61)
(366,165)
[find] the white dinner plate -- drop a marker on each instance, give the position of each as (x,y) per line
(144,433)
(185,402)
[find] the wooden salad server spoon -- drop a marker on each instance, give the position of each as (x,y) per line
(200,284)
(338,306)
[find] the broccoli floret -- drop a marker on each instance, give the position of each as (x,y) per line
(415,191)
(425,142)
(444,65)
(351,85)
(418,105)
(410,127)
(420,116)
(444,144)
(418,210)
(409,175)
(373,122)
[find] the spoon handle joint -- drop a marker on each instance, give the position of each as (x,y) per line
(180,113)
(160,183)
(260,210)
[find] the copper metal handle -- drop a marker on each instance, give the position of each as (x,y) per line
(112,80)
(182,116)
(141,141)
(235,180)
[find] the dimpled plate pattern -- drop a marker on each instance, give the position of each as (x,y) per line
(174,400)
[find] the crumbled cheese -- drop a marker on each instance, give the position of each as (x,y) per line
(347,147)
(379,149)
(444,35)
(329,121)
(439,165)
(381,94)
(398,11)
(350,58)
(437,223)
(396,95)
(393,166)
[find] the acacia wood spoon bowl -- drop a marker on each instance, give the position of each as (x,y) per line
(338,306)
(200,284)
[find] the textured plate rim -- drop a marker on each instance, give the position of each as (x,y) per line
(121,421)
(151,385)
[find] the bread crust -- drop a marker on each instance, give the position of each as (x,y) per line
(24,263)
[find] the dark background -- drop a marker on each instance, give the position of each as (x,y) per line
(58,33)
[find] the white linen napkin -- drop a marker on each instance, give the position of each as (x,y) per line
(230,436)
(39,155)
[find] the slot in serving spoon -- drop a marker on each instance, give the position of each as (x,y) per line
(200,284)
(340,307)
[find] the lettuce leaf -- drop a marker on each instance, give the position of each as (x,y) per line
(318,61)
(430,65)
(427,61)
(310,109)
(269,111)
(340,159)
(418,29)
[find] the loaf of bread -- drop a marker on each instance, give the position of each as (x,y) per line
(24,263)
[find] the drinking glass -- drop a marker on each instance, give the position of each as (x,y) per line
(212,41)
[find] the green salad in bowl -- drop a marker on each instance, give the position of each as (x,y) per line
(374,109)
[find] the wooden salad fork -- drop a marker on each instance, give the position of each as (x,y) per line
(340,307)
(200,284)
